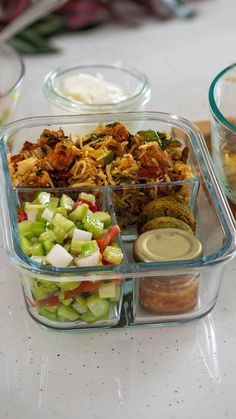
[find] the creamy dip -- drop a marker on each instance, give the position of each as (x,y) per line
(91,90)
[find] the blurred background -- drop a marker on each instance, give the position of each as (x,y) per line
(179,45)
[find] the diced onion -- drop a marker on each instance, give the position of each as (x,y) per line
(31,215)
(58,256)
(92,260)
(82,235)
(47,215)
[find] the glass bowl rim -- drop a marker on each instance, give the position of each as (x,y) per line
(14,54)
(66,103)
(215,110)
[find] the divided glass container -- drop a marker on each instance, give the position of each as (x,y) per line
(200,278)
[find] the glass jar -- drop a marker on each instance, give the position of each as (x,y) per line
(133,83)
(222,99)
(170,294)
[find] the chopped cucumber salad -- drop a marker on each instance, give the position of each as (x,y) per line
(62,232)
(85,301)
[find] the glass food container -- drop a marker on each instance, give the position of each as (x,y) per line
(134,89)
(215,227)
(11,77)
(222,99)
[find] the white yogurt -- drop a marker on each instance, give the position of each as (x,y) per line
(88,89)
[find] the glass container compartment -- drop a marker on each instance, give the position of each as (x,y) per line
(215,226)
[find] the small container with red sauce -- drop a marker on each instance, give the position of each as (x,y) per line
(171,294)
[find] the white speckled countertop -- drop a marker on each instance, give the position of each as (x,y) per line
(170,373)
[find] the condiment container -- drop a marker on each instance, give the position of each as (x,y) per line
(93,88)
(170,294)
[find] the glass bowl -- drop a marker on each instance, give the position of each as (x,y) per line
(222,98)
(134,86)
(11,77)
(214,221)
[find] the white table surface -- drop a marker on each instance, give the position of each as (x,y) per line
(177,372)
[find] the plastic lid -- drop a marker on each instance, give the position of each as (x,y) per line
(165,244)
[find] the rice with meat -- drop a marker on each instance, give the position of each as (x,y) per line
(109,155)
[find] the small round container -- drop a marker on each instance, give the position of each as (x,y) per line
(222,99)
(165,244)
(168,294)
(134,85)
(11,77)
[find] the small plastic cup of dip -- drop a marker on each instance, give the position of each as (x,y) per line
(172,293)
(96,88)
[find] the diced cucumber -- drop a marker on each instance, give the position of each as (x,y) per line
(76,246)
(48,235)
(61,297)
(47,245)
(79,213)
(37,249)
(62,222)
(35,228)
(66,202)
(67,313)
(99,307)
(87,197)
(41,291)
(102,216)
(43,311)
(113,255)
(117,296)
(95,227)
(62,211)
(89,248)
(80,304)
(26,245)
(68,286)
(59,234)
(52,309)
(54,201)
(29,206)
(107,290)
(88,317)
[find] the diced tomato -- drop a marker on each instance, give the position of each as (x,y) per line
(108,238)
(149,172)
(48,301)
(92,206)
(31,303)
(85,286)
(22,216)
(116,281)
(106,262)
